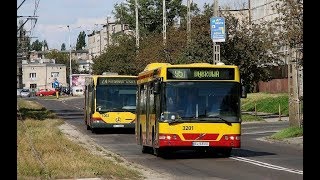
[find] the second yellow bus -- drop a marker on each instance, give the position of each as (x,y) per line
(110,101)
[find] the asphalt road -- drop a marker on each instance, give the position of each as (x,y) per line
(255,159)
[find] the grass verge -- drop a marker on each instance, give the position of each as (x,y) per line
(288,133)
(44,152)
(250,118)
(266,102)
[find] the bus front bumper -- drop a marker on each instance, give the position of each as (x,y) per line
(103,125)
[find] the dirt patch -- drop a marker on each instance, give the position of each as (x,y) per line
(88,143)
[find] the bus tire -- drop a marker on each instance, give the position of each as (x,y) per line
(88,127)
(144,149)
(93,130)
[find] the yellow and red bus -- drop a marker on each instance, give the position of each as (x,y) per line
(166,91)
(110,101)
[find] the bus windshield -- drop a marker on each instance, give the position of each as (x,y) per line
(116,98)
(202,101)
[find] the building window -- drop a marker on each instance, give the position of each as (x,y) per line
(32,75)
(113,29)
(33,86)
(55,74)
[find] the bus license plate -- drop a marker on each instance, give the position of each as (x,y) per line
(118,125)
(200,143)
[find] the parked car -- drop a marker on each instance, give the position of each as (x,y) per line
(25,93)
(65,90)
(18,92)
(77,91)
(46,92)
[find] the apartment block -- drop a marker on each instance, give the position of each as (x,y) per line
(40,74)
(98,41)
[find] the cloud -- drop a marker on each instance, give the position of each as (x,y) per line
(56,34)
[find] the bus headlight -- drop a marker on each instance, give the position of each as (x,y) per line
(172,117)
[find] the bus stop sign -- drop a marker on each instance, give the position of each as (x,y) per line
(217,26)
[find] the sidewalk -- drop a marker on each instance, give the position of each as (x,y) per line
(268,117)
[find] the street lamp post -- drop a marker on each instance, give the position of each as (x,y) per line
(70,69)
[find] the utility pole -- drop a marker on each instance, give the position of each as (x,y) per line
(216,48)
(188,23)
(137,24)
(121,18)
(293,83)
(70,69)
(23,39)
(249,7)
(100,32)
(164,22)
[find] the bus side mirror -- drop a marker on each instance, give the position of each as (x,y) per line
(243,92)
(156,89)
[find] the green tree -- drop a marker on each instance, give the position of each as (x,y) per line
(81,41)
(200,46)
(152,50)
(150,14)
(246,46)
(249,47)
(63,47)
(290,21)
(117,58)
(36,45)
(60,57)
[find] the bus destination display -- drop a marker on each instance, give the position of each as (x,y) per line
(115,81)
(201,73)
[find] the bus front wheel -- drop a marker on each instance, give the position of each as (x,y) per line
(93,130)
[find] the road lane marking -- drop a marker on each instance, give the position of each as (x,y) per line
(64,102)
(267,165)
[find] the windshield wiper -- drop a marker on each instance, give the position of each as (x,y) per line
(175,121)
(220,118)
(115,110)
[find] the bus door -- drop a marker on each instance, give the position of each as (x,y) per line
(143,117)
(139,110)
(157,112)
(148,115)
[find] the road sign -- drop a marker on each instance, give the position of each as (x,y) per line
(217,25)
(56,84)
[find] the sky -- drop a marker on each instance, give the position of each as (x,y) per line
(53,17)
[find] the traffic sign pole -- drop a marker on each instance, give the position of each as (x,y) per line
(217,25)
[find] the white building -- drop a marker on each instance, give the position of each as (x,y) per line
(98,41)
(40,74)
